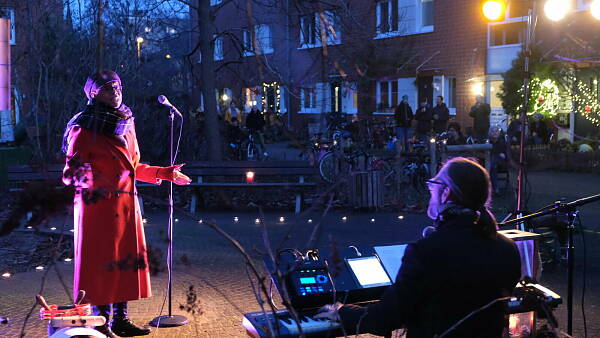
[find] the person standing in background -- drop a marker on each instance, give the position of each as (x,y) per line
(403,116)
(441,114)
(480,112)
(423,116)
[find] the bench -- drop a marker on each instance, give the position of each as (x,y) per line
(19,175)
(204,175)
(268,174)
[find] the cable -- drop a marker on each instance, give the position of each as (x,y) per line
(178,140)
(584,275)
(457,324)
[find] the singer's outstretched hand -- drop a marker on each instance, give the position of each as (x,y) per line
(174,174)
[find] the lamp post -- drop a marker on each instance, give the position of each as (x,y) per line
(555,10)
(139,41)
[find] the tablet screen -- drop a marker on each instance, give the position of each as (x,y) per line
(368,271)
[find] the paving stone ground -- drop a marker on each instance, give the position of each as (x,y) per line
(206,261)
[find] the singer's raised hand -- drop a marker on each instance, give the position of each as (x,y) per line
(174,174)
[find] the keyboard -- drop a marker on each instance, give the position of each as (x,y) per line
(517,305)
(284,325)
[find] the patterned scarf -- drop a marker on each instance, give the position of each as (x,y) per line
(102,119)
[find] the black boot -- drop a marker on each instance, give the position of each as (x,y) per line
(104,311)
(122,325)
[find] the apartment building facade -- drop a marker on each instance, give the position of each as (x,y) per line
(363,56)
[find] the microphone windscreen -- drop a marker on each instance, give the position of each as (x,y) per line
(163,100)
(428,230)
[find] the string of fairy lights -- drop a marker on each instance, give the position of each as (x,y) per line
(546,96)
(586,101)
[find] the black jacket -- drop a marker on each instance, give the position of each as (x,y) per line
(403,115)
(423,117)
(443,114)
(444,277)
(480,112)
(255,121)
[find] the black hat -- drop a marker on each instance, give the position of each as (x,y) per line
(98,80)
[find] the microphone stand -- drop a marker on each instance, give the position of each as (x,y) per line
(170,320)
(571,210)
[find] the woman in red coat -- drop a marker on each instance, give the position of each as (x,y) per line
(103,162)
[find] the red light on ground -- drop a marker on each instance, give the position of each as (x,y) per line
(250,176)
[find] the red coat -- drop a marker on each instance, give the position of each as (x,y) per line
(111,262)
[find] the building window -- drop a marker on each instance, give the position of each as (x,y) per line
(308,97)
(215,2)
(403,17)
(9,13)
(252,98)
(387,95)
(495,89)
(387,16)
(317,26)
(507,34)
(451,95)
(218,48)
(258,43)
(426,13)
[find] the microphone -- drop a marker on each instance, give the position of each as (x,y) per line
(165,102)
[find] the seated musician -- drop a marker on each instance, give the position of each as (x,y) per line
(460,266)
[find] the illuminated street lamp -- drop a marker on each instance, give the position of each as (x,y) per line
(493,10)
(556,10)
(595,9)
(139,41)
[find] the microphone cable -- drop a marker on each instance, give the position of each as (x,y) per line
(457,324)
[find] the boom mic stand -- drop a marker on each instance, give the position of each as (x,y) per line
(571,210)
(170,320)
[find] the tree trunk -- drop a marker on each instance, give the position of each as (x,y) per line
(211,122)
(100,35)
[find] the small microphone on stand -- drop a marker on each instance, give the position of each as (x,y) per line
(165,102)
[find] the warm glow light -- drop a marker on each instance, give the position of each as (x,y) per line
(168,56)
(249,176)
(6,274)
(477,88)
(225,97)
(595,9)
(139,39)
(557,9)
(432,140)
(493,10)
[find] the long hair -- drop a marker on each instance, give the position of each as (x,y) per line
(470,187)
